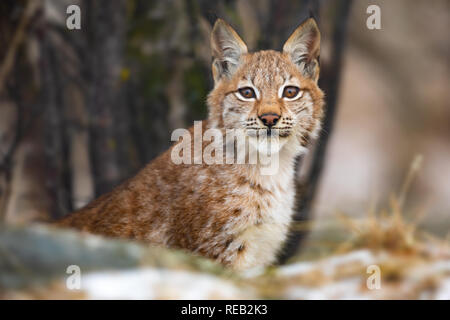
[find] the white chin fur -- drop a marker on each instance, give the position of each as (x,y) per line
(267,145)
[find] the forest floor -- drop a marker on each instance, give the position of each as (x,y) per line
(381,256)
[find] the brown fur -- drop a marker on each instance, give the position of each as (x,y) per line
(226,212)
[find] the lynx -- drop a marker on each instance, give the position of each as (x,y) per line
(227,212)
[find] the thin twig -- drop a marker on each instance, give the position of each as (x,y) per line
(414,168)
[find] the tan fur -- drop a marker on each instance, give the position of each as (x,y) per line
(227,212)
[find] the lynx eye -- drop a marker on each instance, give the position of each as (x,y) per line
(290,92)
(247,93)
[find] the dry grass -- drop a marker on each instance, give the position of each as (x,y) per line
(404,252)
(388,229)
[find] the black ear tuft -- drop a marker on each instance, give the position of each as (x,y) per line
(211,16)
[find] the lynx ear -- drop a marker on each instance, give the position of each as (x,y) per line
(227,49)
(303,46)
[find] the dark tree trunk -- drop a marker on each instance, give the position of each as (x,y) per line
(328,82)
(56,153)
(284,18)
(106,28)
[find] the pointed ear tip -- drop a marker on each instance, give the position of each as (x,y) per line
(220,26)
(312,21)
(220,23)
(311,25)
(216,23)
(223,29)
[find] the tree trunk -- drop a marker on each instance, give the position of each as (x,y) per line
(329,83)
(106,30)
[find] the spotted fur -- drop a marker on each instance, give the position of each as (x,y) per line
(227,212)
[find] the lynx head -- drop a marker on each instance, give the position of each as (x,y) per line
(270,92)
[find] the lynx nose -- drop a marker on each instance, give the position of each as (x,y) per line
(269,119)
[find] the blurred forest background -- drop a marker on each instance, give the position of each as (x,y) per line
(82,110)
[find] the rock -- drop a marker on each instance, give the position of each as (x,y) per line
(32,257)
(34,262)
